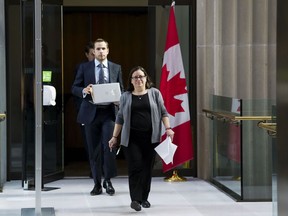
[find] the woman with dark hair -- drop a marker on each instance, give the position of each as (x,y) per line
(139,119)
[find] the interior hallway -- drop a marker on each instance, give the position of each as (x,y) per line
(191,198)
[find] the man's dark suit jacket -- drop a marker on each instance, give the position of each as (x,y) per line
(85,76)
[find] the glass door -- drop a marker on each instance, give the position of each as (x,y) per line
(52,142)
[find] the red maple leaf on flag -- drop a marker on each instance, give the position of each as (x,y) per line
(175,86)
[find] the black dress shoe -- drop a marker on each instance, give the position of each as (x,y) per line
(96,190)
(108,186)
(135,205)
(146,204)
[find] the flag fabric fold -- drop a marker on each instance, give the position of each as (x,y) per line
(174,90)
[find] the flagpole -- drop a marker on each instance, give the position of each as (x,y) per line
(175,177)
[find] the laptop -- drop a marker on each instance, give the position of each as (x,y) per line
(106,93)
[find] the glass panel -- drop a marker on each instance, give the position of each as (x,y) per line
(52,144)
(14,86)
(52,64)
(28,94)
(242,151)
(274,168)
(256,150)
(227,145)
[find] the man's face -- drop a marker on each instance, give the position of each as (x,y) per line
(101,51)
(90,56)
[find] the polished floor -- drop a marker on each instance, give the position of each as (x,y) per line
(70,197)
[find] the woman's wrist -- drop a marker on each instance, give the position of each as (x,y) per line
(114,137)
(168,128)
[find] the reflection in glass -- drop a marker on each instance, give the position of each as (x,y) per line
(227,145)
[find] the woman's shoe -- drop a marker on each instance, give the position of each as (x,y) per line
(146,204)
(135,205)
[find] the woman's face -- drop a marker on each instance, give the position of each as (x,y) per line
(138,79)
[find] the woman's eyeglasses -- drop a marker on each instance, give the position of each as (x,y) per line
(138,77)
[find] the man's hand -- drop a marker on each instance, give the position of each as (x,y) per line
(88,89)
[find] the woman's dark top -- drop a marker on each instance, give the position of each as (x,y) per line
(141,113)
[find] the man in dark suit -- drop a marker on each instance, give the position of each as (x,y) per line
(98,119)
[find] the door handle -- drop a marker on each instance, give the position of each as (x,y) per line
(2,117)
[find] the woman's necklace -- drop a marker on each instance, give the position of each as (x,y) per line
(139,95)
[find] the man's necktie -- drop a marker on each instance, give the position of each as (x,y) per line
(101,74)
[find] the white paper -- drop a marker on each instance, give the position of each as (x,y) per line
(166,150)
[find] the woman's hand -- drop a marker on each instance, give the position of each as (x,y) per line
(170,133)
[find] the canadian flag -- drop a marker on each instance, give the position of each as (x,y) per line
(174,91)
